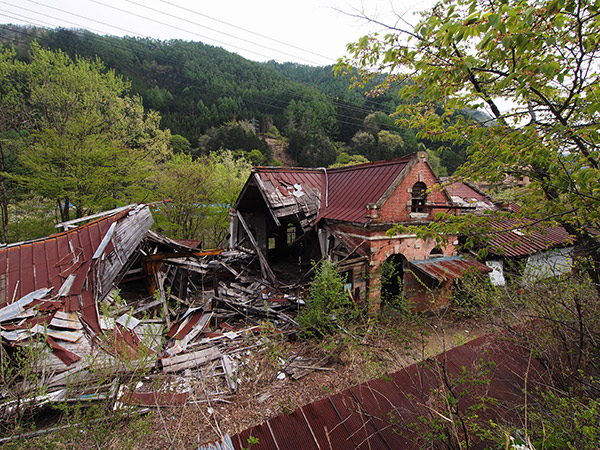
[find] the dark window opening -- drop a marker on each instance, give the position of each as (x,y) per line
(291,234)
(419,197)
(436,253)
(392,281)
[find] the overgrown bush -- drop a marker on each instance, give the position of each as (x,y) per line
(328,306)
(558,321)
(391,288)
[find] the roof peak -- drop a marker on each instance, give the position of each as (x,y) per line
(402,159)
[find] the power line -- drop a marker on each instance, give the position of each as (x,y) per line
(244,29)
(76,15)
(177,28)
(369,103)
(32,20)
(217,31)
(353,121)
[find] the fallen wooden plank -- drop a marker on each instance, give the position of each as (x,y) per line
(229,373)
(146,306)
(264,265)
(189,360)
(69,336)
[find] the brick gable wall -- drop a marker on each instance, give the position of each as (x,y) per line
(397,207)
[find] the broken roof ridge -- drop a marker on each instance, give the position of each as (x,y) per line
(386,162)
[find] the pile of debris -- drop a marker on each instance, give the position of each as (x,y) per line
(83,311)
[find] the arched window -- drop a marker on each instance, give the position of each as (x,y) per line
(419,196)
(436,253)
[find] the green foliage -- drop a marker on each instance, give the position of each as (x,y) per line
(328,306)
(196,87)
(235,136)
(465,55)
(391,276)
(311,150)
(90,146)
(30,219)
(179,144)
(20,373)
(442,421)
(564,420)
(344,159)
(187,182)
(252,440)
(202,191)
(562,332)
(474,296)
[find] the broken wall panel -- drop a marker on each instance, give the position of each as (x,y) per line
(128,234)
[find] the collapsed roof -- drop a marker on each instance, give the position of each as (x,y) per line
(315,194)
(73,270)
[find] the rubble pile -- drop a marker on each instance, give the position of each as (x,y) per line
(140,319)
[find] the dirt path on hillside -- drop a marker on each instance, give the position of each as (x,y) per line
(280,153)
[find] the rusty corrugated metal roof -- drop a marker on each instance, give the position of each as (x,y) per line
(464,195)
(47,262)
(384,413)
(352,188)
(63,263)
(464,191)
(449,267)
(344,192)
(517,238)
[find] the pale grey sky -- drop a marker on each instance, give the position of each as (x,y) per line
(306,31)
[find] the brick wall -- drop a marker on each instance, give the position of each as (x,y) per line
(397,206)
(381,247)
(397,209)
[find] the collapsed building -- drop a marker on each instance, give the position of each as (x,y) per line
(294,216)
(83,309)
(107,296)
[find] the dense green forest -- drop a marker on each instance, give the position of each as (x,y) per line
(93,122)
(197,88)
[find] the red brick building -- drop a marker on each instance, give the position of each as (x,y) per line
(296,215)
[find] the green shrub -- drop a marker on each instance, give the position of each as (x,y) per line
(328,306)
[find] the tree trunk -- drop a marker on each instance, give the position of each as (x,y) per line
(3,199)
(64,210)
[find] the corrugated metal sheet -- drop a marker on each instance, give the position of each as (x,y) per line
(384,414)
(292,192)
(517,238)
(466,192)
(450,267)
(464,195)
(65,262)
(344,192)
(45,263)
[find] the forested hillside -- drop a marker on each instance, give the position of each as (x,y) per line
(197,88)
